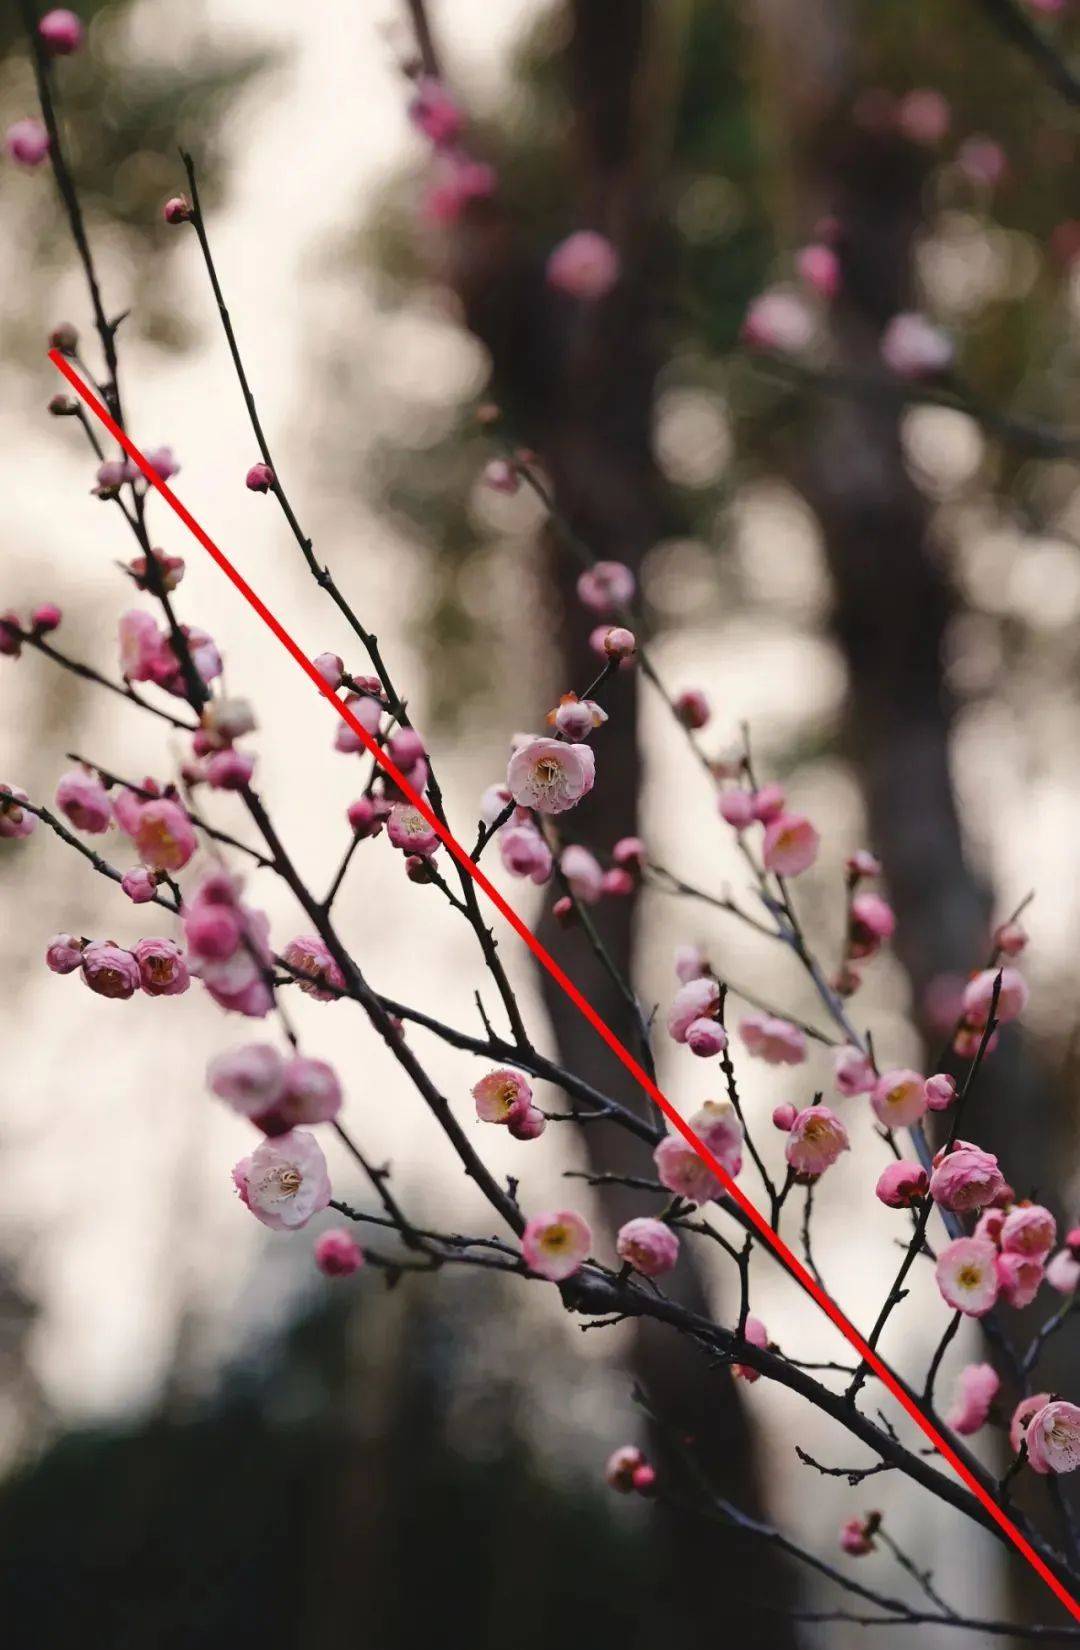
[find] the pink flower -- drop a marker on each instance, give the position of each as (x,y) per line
(965,1179)
(682,1170)
(229,946)
(862,863)
(606,587)
(337,1253)
(409,830)
(251,1078)
(230,770)
(368,712)
(140,646)
(27,141)
(989,1226)
(1063,1272)
(976,1388)
(406,749)
(84,800)
(574,720)
(706,1038)
(784,1115)
(1021,1416)
(690,963)
(649,1246)
(556,1245)
(872,920)
(854,1072)
(755,1334)
(768,803)
(1010,939)
(912,347)
(45,618)
(1029,1230)
(940,1091)
(501,476)
(311,957)
(139,885)
(460,181)
(924,115)
(899,1098)
(630,853)
(549,775)
(224,720)
(815,1141)
(435,113)
(502,1096)
(63,954)
(790,846)
(284,1181)
(582,872)
(110,971)
(819,267)
(585,265)
(717,1126)
(779,321)
(312,1092)
(1053,1438)
(620,643)
(163,969)
(529,1125)
(331,668)
(736,807)
(692,708)
(10,635)
(902,1185)
(979,995)
(163,461)
(163,835)
(620,1467)
(260,478)
(177,209)
(776,1041)
(856,1539)
(525,853)
(966,1274)
(15,821)
(61,32)
(1019,1277)
(698,999)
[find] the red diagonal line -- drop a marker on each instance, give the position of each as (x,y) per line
(791,1261)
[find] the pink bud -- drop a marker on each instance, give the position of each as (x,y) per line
(902,1185)
(27,142)
(617,882)
(737,807)
(45,618)
(139,885)
(406,748)
(435,113)
(784,1116)
(337,1253)
(64,954)
(61,32)
(363,817)
(10,635)
(692,708)
(1010,939)
(706,1038)
(177,209)
(862,863)
(260,478)
(629,851)
(501,476)
(619,643)
(940,1091)
(645,1479)
(530,1125)
(584,266)
(329,666)
(768,803)
(230,770)
(819,267)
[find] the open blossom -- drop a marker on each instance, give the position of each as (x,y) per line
(251,1078)
(163,835)
(550,775)
(776,1041)
(651,1247)
(63,954)
(284,1181)
(854,1071)
(871,922)
(1029,1229)
(755,1334)
(15,821)
(966,1274)
(556,1245)
(502,1096)
(163,461)
(309,955)
(1019,1277)
(606,587)
(914,347)
(976,1388)
(815,1141)
(698,999)
(409,830)
(163,969)
(682,1170)
(966,1178)
(583,873)
(84,800)
(902,1185)
(585,265)
(899,1098)
(1021,1416)
(790,846)
(110,970)
(337,1253)
(979,995)
(1053,1437)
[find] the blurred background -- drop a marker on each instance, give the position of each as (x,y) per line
(202,1441)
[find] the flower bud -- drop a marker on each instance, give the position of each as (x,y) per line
(177,210)
(260,478)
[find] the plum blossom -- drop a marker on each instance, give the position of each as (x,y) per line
(63,954)
(815,1141)
(979,995)
(525,853)
(621,1466)
(15,821)
(163,969)
(690,963)
(940,1091)
(27,141)
(435,113)
(913,347)
(251,1078)
(1053,1438)
(902,1185)
(502,1096)
(1021,1417)
(556,1245)
(790,846)
(681,1169)
(582,872)
(606,587)
(755,1334)
(1029,1229)
(872,921)
(501,476)
(966,1178)
(717,1126)
(1019,1277)
(976,1388)
(162,833)
(550,775)
(229,946)
(966,1274)
(857,1538)
(779,320)
(310,956)
(585,265)
(899,1098)
(527,1125)
(854,1071)
(61,32)
(698,999)
(706,1038)
(410,831)
(139,885)
(776,1041)
(1063,1272)
(284,1181)
(110,971)
(736,808)
(692,708)
(819,267)
(82,797)
(648,1245)
(337,1253)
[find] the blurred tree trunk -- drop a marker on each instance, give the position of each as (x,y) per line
(577,382)
(893,597)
